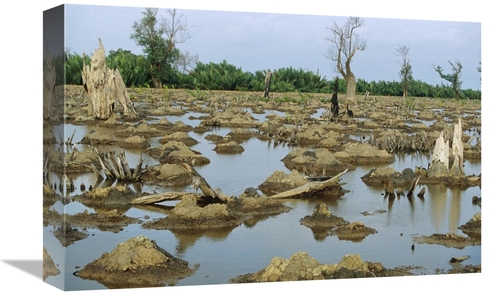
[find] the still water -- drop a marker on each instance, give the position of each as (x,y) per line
(249,248)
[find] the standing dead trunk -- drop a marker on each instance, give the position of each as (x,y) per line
(351,86)
(334,107)
(440,166)
(104,87)
(457,147)
(49,84)
(267,83)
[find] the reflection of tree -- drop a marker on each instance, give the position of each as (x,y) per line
(437,197)
(455,209)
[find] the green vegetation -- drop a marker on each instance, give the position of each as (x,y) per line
(224,76)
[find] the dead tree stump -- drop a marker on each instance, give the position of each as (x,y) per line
(267,86)
(49,84)
(457,148)
(334,107)
(440,164)
(104,87)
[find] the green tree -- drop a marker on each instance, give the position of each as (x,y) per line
(345,44)
(405,73)
(158,38)
(73,65)
(453,78)
(133,68)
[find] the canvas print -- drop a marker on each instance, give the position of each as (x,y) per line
(191,147)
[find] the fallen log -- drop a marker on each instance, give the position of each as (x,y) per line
(158,198)
(203,184)
(309,188)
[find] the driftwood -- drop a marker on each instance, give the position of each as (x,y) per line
(207,191)
(309,188)
(198,183)
(157,198)
(115,166)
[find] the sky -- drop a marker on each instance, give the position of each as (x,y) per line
(256,41)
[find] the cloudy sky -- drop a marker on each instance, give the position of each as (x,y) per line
(271,40)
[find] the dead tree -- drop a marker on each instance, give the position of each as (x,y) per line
(49,84)
(440,165)
(115,166)
(104,87)
(267,86)
(334,107)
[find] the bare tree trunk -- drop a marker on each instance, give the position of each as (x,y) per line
(49,84)
(351,86)
(440,162)
(440,166)
(457,147)
(267,84)
(104,86)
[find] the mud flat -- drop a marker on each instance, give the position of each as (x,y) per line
(147,164)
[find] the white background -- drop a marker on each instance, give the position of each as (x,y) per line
(21,139)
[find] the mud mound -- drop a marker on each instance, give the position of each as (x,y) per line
(134,141)
(113,195)
(279,182)
(95,138)
(301,266)
(313,162)
(167,175)
(257,206)
(180,137)
(241,134)
(187,215)
(137,262)
(363,153)
(355,231)
(473,226)
(142,129)
(322,217)
(449,240)
(174,152)
(231,147)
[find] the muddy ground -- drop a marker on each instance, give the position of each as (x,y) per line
(384,125)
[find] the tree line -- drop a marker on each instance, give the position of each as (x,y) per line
(162,65)
(135,72)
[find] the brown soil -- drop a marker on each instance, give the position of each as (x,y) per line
(449,240)
(300,266)
(322,222)
(137,262)
(187,215)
